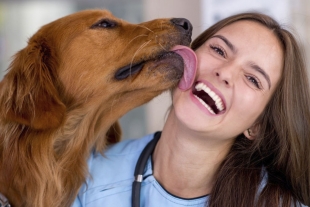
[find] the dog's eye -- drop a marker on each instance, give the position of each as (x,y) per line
(104,23)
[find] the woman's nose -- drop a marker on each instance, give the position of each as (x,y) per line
(226,75)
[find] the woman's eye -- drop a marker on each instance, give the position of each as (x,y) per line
(218,50)
(254,81)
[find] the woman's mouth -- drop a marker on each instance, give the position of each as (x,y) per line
(208,98)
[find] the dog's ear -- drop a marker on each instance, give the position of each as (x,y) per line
(29,91)
(114,133)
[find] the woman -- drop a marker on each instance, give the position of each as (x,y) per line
(238,137)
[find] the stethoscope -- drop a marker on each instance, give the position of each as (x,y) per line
(139,169)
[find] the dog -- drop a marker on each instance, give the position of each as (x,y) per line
(64,92)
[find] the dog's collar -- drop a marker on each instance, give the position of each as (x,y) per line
(4,201)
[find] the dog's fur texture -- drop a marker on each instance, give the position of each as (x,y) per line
(66,89)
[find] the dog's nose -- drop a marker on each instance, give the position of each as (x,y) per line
(183,23)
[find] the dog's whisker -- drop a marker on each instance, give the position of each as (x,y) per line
(176,32)
(140,48)
(115,100)
(136,38)
(162,46)
(146,28)
(133,40)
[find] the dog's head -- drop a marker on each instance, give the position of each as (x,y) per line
(91,59)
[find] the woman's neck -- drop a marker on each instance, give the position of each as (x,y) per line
(185,163)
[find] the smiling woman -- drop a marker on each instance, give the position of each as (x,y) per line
(270,160)
(236,136)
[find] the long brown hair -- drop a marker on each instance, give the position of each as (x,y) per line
(280,154)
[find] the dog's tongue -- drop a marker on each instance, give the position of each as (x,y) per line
(190,66)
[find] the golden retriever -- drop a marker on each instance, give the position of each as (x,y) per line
(64,92)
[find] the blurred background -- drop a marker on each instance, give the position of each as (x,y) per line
(19,19)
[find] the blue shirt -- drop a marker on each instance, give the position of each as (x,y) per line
(112,176)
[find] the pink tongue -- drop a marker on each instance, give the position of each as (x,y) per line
(190,66)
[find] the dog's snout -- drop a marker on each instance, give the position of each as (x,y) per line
(183,24)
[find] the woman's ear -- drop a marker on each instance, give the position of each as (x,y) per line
(252,132)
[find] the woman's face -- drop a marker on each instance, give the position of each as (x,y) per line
(239,68)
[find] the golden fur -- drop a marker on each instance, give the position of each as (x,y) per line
(66,89)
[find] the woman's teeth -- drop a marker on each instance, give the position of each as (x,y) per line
(205,105)
(215,104)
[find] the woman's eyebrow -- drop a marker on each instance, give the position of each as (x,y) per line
(227,42)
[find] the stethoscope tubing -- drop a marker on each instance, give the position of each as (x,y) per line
(139,169)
